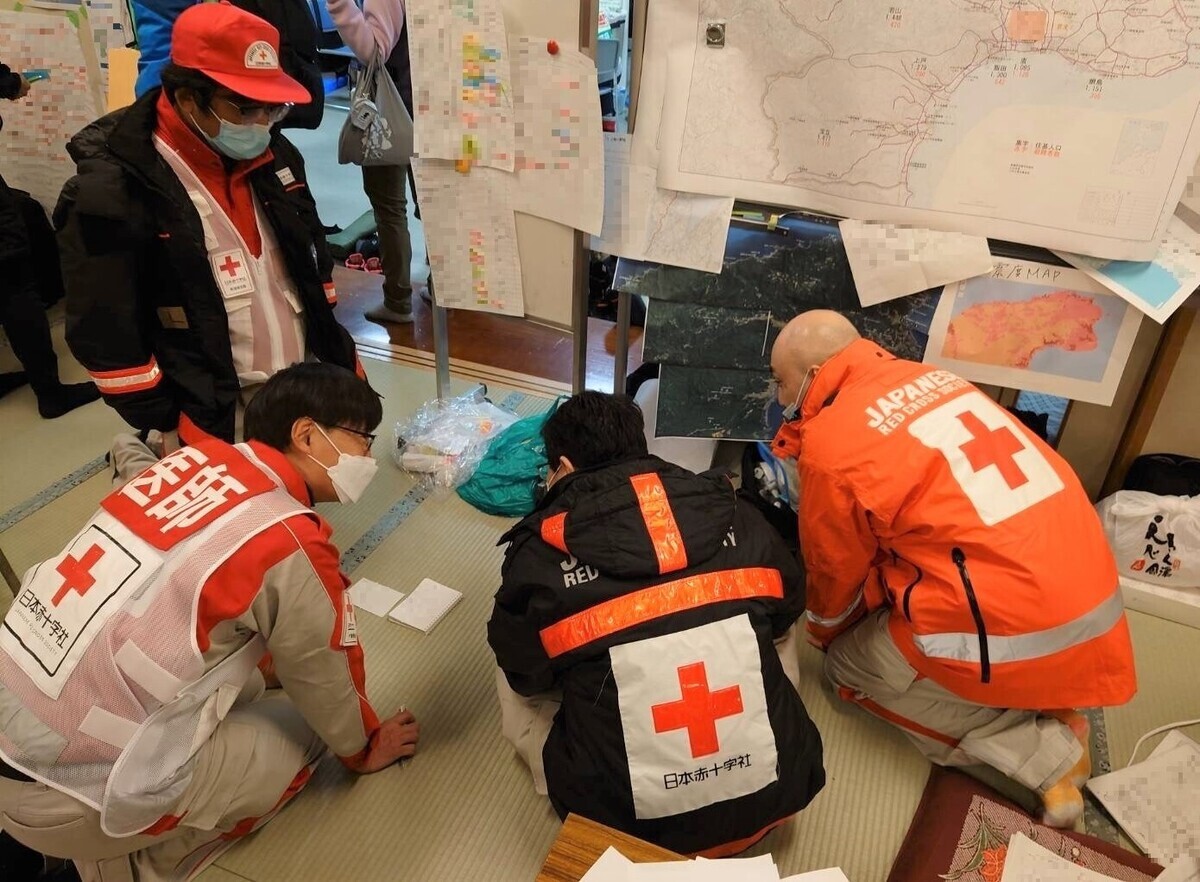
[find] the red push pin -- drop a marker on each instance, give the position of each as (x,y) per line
(552,47)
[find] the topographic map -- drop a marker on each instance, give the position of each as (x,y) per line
(1035,326)
(1069,124)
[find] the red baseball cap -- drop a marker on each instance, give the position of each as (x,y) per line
(236,49)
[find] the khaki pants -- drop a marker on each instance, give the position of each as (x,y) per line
(867,668)
(526,722)
(260,756)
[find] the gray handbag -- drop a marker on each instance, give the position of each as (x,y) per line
(378,129)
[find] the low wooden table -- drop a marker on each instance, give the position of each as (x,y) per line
(580,843)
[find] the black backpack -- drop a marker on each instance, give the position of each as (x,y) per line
(297,54)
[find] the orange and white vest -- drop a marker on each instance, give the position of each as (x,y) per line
(104,692)
(266,318)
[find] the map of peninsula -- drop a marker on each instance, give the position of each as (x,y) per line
(1010,334)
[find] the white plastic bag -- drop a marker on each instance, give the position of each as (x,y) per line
(1155,539)
(443,442)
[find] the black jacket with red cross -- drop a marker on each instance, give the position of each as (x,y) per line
(652,597)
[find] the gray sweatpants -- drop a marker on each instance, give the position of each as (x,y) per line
(867,668)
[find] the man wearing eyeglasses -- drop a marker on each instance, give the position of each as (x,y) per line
(170,679)
(194,260)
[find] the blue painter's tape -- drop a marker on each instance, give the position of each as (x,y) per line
(59,488)
(353,556)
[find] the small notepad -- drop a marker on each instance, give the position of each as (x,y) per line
(426,606)
(374,598)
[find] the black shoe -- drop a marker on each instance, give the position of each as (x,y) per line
(65,399)
(12,382)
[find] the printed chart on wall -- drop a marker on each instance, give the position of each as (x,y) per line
(1069,124)
(473,254)
(462,86)
(559,142)
(37,128)
(1036,327)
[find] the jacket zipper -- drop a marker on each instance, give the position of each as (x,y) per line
(920,574)
(985,664)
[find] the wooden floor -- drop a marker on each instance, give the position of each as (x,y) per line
(501,343)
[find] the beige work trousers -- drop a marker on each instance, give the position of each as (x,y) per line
(1032,749)
(259,756)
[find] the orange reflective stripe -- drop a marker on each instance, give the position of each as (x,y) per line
(554,530)
(638,607)
(916,728)
(660,522)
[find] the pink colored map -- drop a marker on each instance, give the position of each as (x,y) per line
(1010,334)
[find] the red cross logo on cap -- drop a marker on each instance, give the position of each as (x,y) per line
(77,574)
(993,447)
(698,710)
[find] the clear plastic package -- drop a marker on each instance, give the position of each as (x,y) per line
(444,442)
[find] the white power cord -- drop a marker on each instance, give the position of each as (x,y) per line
(1167,728)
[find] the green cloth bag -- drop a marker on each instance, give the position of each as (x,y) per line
(514,463)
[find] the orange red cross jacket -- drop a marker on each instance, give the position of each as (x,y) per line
(920,493)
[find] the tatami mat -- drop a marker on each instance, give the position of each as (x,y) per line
(463,808)
(1168,668)
(34,452)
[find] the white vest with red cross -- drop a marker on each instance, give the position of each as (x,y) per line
(103,689)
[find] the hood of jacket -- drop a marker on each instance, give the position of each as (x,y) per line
(639,518)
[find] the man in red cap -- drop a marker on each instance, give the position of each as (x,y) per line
(194,260)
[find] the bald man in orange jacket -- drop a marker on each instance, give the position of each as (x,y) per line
(958,577)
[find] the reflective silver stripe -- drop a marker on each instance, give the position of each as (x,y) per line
(837,620)
(965,647)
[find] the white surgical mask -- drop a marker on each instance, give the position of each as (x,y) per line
(789,412)
(350,474)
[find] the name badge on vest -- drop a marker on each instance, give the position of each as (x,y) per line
(285,176)
(68,599)
(232,273)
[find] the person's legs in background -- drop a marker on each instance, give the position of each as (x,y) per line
(385,188)
(24,321)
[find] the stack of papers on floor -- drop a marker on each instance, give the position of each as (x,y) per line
(615,867)
(1026,861)
(1155,801)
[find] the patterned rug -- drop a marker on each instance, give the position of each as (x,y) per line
(961,830)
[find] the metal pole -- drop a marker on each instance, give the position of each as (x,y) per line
(441,346)
(579,315)
(621,354)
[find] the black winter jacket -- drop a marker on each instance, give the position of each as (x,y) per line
(651,598)
(140,289)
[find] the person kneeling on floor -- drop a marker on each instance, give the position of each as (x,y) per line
(957,574)
(141,732)
(645,638)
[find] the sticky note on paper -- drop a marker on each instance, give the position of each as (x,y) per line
(426,606)
(374,598)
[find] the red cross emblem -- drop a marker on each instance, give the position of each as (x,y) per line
(230,266)
(698,710)
(993,447)
(77,574)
